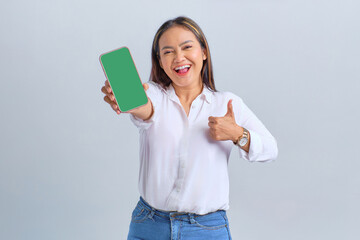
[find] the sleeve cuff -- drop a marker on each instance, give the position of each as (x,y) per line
(141,124)
(257,153)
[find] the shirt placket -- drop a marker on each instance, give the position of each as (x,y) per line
(183,150)
(182,156)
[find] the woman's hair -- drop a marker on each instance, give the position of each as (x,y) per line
(157,73)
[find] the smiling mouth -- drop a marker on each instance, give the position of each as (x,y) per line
(182,69)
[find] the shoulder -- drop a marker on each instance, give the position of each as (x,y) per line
(221,96)
(154,86)
(155,90)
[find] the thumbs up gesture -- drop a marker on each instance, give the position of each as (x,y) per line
(225,128)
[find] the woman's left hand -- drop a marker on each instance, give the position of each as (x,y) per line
(225,128)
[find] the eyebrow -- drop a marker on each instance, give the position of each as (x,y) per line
(179,44)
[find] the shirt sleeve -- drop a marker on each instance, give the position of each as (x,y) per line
(154,94)
(263,146)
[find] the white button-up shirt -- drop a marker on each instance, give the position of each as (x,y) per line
(181,167)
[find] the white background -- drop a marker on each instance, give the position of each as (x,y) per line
(69,164)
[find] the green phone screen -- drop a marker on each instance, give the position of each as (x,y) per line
(124,79)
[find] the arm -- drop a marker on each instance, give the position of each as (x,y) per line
(226,128)
(261,146)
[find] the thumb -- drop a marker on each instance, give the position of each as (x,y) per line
(145,86)
(230,111)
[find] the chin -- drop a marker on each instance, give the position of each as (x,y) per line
(182,84)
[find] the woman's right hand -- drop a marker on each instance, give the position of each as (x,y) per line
(110,98)
(144,112)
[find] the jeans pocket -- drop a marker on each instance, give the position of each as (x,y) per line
(213,222)
(139,214)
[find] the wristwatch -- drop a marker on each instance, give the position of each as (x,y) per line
(243,139)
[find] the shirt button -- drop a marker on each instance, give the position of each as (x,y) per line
(178,189)
(193,106)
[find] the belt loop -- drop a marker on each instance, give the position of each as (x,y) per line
(151,215)
(191,218)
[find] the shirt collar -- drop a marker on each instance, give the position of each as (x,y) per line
(205,94)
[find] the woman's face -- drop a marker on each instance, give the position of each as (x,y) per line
(181,56)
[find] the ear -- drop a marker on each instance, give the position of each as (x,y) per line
(204,54)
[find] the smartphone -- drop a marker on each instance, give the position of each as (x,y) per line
(120,70)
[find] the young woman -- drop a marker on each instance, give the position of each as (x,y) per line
(187,131)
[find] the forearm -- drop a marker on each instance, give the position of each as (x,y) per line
(144,112)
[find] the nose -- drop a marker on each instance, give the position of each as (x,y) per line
(179,56)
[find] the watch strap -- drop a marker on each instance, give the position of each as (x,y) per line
(244,135)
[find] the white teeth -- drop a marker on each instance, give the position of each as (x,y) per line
(182,67)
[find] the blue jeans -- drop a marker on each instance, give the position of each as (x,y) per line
(148,223)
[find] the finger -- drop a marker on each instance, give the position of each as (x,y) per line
(112,104)
(146,86)
(115,107)
(103,89)
(212,119)
(230,111)
(109,94)
(108,100)
(213,134)
(107,86)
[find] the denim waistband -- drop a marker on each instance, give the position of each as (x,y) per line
(170,214)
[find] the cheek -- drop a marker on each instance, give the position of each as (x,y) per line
(197,56)
(164,64)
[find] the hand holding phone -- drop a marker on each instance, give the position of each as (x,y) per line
(110,99)
(124,86)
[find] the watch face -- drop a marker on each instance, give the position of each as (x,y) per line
(243,142)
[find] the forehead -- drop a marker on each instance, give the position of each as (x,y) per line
(176,35)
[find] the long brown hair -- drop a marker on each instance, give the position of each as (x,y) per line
(157,73)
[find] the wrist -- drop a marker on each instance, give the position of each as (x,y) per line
(237,134)
(144,112)
(244,140)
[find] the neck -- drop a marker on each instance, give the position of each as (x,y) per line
(188,94)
